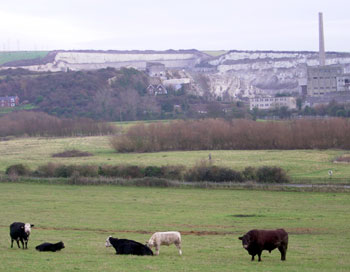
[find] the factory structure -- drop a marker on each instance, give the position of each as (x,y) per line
(323,83)
(324,79)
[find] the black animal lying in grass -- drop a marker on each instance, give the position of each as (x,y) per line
(125,246)
(50,247)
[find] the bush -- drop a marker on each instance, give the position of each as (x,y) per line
(46,170)
(203,171)
(18,170)
(267,174)
(249,173)
(109,171)
(66,171)
(174,172)
(206,172)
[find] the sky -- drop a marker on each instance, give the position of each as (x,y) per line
(280,25)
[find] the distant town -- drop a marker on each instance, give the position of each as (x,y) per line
(270,84)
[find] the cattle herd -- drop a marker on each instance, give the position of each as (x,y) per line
(254,241)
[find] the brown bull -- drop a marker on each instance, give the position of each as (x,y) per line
(255,241)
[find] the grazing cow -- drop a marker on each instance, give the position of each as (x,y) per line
(255,241)
(20,232)
(165,238)
(50,247)
(125,246)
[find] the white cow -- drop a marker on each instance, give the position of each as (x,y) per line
(165,238)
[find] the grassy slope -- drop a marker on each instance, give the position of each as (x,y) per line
(300,164)
(84,216)
(215,53)
(20,55)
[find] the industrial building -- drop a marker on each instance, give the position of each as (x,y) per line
(324,79)
(266,103)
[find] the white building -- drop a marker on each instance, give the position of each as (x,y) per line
(265,103)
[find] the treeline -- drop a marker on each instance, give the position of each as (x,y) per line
(105,94)
(26,123)
(203,171)
(110,95)
(218,134)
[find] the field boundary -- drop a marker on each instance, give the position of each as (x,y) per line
(294,231)
(162,183)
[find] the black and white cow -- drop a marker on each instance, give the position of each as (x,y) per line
(50,247)
(20,232)
(125,246)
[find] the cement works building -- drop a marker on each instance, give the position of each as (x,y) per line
(326,79)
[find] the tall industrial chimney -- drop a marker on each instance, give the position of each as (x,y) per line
(322,55)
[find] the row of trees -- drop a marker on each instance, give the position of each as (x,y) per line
(41,124)
(217,134)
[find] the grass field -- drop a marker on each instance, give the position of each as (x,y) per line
(215,53)
(301,165)
(4,111)
(20,55)
(210,222)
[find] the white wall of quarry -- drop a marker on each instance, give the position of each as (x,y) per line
(258,55)
(285,64)
(85,57)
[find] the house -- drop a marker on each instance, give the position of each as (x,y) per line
(156,89)
(9,101)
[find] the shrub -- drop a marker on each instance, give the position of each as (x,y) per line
(65,171)
(249,173)
(109,171)
(206,172)
(46,170)
(153,171)
(18,170)
(267,174)
(131,171)
(174,172)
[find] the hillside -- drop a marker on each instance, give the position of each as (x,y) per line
(10,57)
(104,94)
(220,74)
(273,71)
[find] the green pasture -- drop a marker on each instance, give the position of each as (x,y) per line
(4,111)
(20,55)
(210,222)
(301,165)
(215,53)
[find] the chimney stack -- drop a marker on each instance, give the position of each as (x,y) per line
(322,55)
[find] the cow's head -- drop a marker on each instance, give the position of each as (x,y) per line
(28,228)
(150,243)
(245,240)
(108,243)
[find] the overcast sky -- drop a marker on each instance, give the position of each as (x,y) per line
(175,24)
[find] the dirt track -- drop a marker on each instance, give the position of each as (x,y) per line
(293,231)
